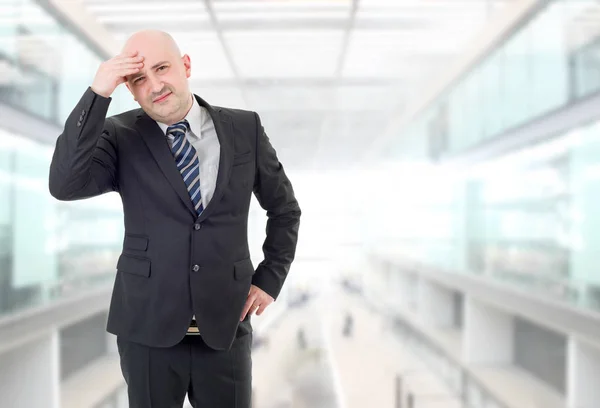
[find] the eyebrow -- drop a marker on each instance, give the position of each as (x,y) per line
(139,74)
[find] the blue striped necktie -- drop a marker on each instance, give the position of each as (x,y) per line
(186,159)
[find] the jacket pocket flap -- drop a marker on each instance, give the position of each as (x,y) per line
(243,268)
(137,242)
(134,264)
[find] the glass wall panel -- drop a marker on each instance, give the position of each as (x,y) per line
(45,67)
(472,104)
(528,219)
(457,118)
(491,95)
(549,80)
(49,249)
(78,70)
(550,61)
(517,78)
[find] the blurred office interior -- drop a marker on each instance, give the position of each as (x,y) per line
(446,157)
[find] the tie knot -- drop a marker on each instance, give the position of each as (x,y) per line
(179,128)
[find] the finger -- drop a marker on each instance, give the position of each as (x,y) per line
(128,67)
(253,308)
(121,67)
(126,72)
(266,300)
(247,306)
(261,309)
(128,60)
(244,313)
(122,55)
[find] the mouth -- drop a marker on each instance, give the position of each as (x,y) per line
(162,98)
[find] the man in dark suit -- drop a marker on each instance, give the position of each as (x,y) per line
(185,286)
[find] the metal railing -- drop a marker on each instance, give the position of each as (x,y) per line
(472,392)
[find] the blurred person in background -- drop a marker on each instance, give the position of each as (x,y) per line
(185,170)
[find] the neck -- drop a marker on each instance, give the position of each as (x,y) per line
(189,106)
(187,110)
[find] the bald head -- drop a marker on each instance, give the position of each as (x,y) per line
(161,85)
(142,40)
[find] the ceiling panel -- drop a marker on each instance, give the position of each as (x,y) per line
(108,8)
(280,58)
(280,54)
(262,6)
(397,53)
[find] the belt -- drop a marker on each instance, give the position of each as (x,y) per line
(193,329)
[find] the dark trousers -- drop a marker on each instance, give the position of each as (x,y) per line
(161,377)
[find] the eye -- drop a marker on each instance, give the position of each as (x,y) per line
(138,80)
(161,67)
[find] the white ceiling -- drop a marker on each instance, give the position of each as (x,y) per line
(324,75)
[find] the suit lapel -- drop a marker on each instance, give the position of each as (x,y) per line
(156,140)
(224,129)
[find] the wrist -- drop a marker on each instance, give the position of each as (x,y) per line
(100,92)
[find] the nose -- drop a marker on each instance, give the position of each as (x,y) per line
(155,84)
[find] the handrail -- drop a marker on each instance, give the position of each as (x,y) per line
(467,377)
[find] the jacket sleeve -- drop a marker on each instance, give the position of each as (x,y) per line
(84,163)
(275,194)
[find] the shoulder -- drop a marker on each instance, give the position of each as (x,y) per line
(236,114)
(244,120)
(125,120)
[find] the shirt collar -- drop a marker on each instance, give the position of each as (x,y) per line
(195,118)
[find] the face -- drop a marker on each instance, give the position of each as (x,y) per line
(161,87)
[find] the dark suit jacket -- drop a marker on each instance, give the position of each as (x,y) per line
(175,264)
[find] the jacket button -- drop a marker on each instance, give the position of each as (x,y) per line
(195,268)
(197,226)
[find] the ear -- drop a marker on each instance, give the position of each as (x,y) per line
(187,63)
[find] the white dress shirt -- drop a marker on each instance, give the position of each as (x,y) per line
(203,136)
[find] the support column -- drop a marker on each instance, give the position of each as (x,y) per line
(402,286)
(30,374)
(583,373)
(488,336)
(436,304)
